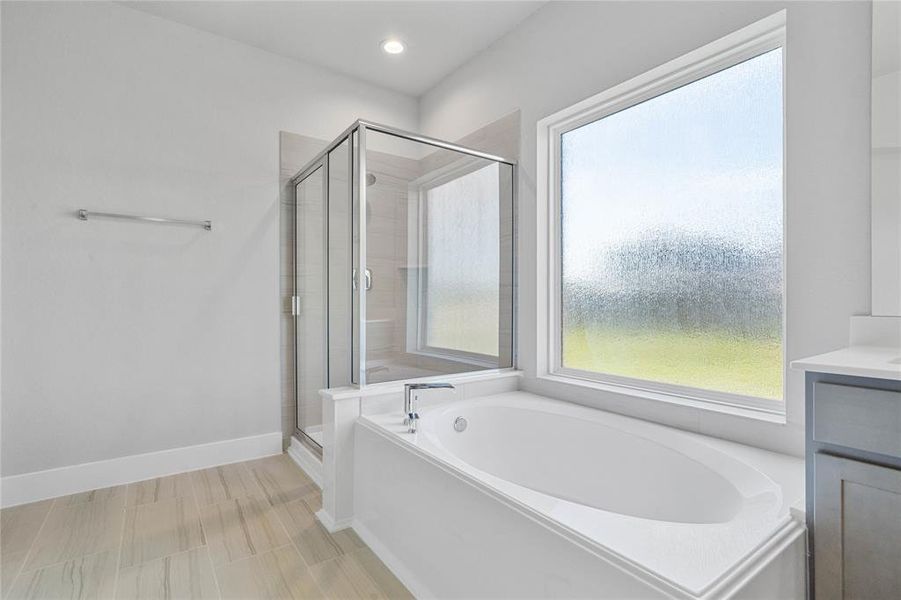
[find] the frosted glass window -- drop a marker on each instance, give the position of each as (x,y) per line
(672,236)
(462,274)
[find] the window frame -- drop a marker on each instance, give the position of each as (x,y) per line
(417,337)
(747,43)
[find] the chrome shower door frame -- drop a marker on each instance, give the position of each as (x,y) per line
(321,164)
(356,137)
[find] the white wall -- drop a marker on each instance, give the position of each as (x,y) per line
(886,176)
(124,338)
(886,193)
(566,52)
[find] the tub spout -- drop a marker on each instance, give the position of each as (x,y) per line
(411,417)
(412,422)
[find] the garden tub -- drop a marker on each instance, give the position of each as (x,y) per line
(518,495)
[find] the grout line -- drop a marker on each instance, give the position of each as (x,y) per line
(259,485)
(121,540)
(166,501)
(342,573)
(353,555)
(31,546)
(62,562)
(294,545)
(342,553)
(254,482)
(192,497)
(203,533)
(281,522)
(63,506)
(288,533)
(303,561)
(378,585)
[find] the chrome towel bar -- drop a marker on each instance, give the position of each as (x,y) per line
(83,214)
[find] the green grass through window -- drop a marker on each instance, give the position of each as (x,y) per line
(708,360)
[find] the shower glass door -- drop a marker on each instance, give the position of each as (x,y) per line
(437,227)
(310,302)
(403,264)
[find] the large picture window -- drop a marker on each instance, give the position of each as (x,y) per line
(669,235)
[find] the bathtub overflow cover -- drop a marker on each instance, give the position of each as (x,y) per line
(460,424)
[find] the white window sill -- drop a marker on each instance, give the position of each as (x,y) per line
(766,416)
(396,387)
(463,359)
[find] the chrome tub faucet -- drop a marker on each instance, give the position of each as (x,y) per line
(411,417)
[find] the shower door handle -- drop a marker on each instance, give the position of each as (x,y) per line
(367,279)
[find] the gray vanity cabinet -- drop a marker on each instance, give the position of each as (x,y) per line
(858,529)
(854,487)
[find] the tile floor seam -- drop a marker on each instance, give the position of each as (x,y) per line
(34,541)
(174,499)
(209,555)
(60,562)
(259,484)
(254,481)
(293,543)
(353,555)
(121,543)
(309,569)
(291,539)
(243,524)
(303,561)
(341,571)
(256,491)
(245,528)
(203,535)
(378,586)
(158,500)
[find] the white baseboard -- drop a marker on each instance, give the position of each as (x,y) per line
(330,524)
(391,561)
(40,485)
(306,460)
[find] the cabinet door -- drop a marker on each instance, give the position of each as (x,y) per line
(857,530)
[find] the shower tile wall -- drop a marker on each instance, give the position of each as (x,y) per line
(387,258)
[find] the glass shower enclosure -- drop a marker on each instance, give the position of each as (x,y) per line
(404,252)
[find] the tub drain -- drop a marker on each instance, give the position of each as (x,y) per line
(460,424)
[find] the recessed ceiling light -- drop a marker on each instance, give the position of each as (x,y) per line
(393,46)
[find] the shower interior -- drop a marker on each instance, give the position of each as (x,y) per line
(403,264)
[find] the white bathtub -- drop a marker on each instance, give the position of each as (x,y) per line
(538,498)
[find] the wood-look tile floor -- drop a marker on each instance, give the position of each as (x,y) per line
(243,531)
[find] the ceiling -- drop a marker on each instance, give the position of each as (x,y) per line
(345,36)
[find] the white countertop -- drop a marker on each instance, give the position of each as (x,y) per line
(860,361)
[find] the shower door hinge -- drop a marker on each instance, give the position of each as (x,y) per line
(295,306)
